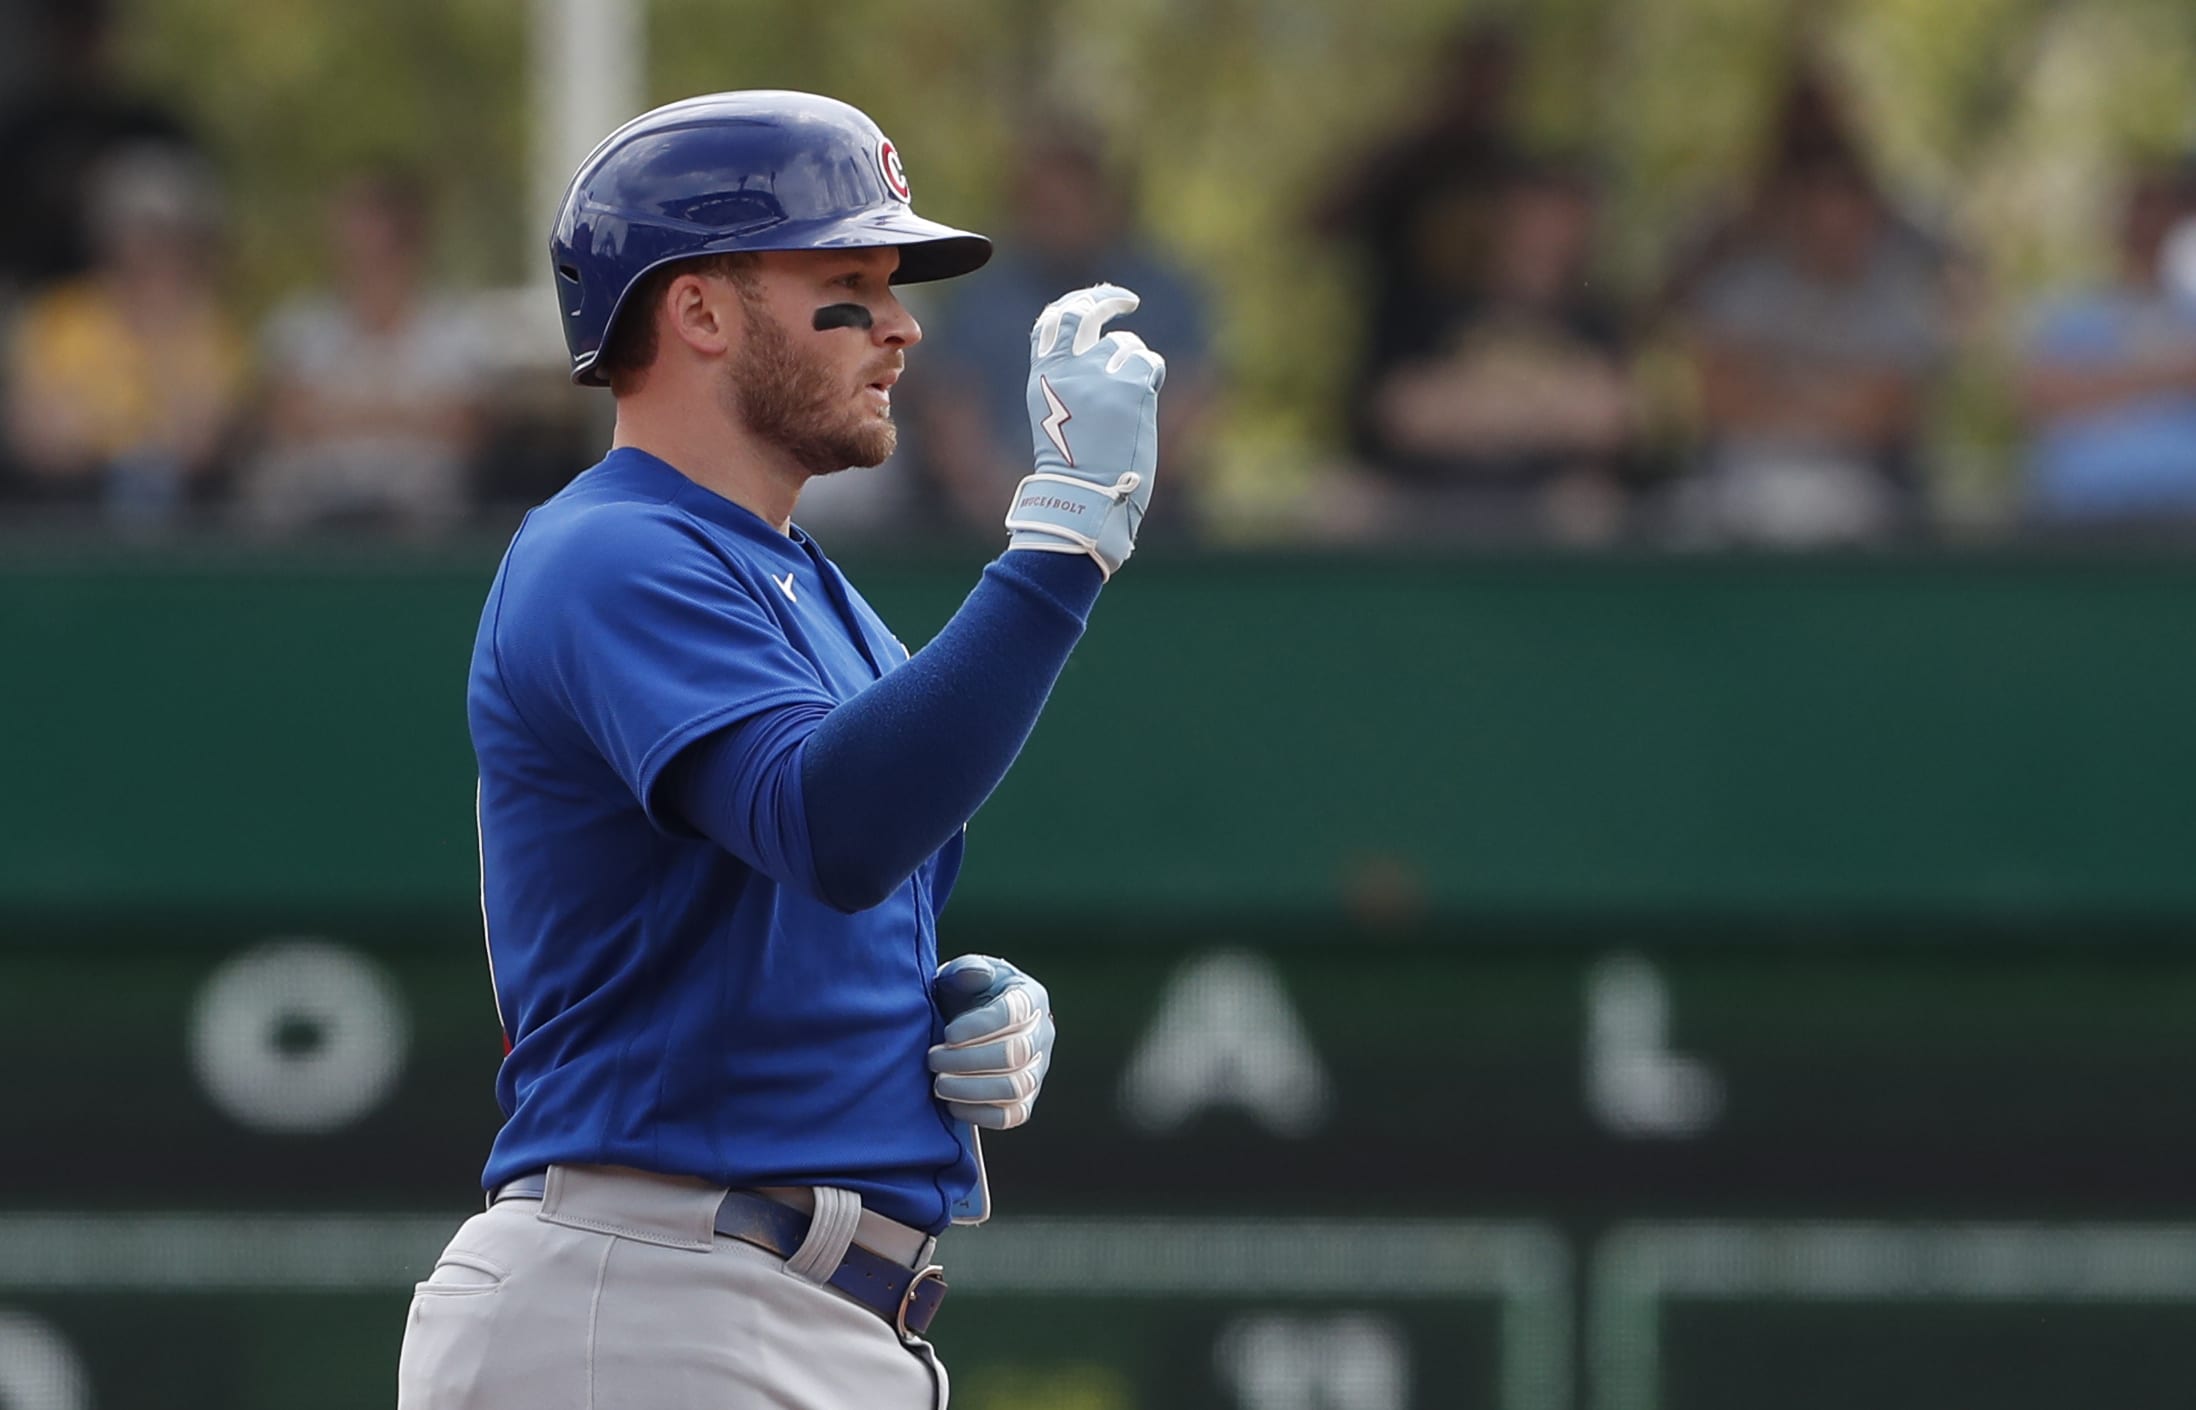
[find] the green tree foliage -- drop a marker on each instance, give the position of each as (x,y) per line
(293,94)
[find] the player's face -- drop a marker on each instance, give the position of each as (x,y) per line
(822,386)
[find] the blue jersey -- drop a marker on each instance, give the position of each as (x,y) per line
(670,1004)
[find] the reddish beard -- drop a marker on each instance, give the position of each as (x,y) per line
(796,400)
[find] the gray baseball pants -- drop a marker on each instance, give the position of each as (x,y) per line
(614,1292)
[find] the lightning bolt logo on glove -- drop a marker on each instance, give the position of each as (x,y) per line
(1054,424)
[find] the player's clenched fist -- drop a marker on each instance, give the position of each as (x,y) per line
(1094,420)
(998,1041)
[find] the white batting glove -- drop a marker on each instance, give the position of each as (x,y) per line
(1094,427)
(998,1041)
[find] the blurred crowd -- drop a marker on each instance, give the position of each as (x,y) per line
(135,398)
(1774,386)
(1503,390)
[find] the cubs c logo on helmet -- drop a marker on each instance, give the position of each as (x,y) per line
(888,160)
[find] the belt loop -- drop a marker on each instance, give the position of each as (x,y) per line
(830,1230)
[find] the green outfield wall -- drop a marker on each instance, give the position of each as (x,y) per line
(1894,1172)
(1331,1123)
(193,731)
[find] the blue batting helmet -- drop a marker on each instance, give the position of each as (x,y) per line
(762,170)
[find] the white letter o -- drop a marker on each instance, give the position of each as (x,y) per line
(239,1023)
(39,1370)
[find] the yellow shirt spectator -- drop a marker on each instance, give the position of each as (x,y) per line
(103,373)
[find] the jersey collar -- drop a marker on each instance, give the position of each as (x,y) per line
(663,480)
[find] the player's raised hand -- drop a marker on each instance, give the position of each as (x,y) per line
(998,1041)
(1094,423)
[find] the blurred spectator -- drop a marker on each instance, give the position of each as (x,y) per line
(373,387)
(1812,128)
(1815,335)
(1504,408)
(1421,207)
(1071,228)
(2109,382)
(75,116)
(123,382)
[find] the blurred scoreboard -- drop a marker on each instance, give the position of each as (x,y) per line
(1270,1172)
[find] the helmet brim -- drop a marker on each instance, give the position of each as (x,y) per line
(928,250)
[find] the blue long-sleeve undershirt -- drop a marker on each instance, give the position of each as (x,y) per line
(866,791)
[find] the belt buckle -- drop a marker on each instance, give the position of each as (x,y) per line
(931,1273)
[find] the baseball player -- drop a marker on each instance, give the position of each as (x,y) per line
(721,806)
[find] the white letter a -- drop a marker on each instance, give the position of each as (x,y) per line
(1226,1035)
